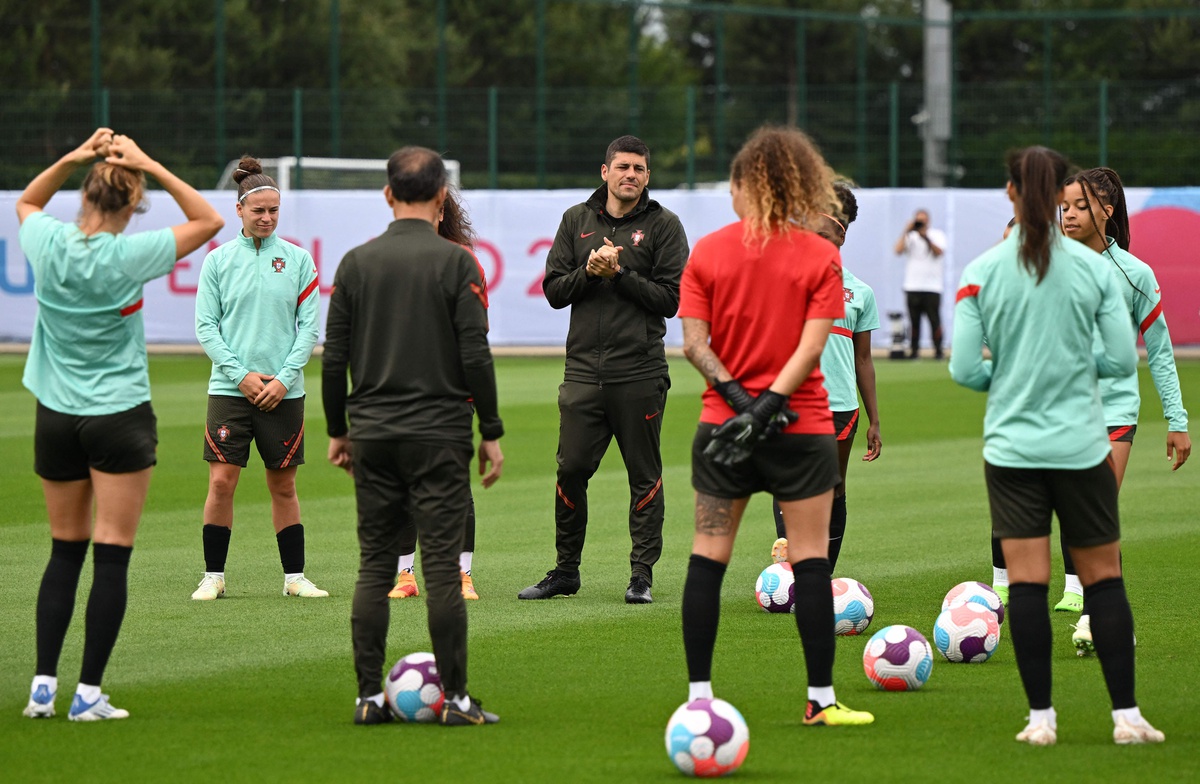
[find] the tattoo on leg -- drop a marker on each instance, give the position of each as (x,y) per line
(714,516)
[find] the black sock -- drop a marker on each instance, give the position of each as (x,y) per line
(216,547)
(56,601)
(701,612)
(105,609)
(814,619)
(777,513)
(998,555)
(1112,634)
(291,548)
(1029,625)
(837,530)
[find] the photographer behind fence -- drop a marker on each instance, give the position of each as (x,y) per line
(923,248)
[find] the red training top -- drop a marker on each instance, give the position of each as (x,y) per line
(756,300)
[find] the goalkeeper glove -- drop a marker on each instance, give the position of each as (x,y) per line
(734,441)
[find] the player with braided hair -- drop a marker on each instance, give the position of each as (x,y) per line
(758,299)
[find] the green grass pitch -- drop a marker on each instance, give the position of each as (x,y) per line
(257,687)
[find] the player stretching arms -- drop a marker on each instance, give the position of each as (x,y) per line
(758,299)
(845,362)
(95,435)
(1040,301)
(1094,212)
(256,317)
(454,225)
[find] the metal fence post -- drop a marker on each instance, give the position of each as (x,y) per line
(219,58)
(861,105)
(298,134)
(801,73)
(540,98)
(1047,80)
(690,134)
(894,135)
(634,37)
(441,76)
(97,79)
(719,114)
(335,70)
(104,118)
(1102,131)
(493,138)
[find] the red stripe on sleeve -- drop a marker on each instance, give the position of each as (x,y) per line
(135,307)
(1154,314)
(841,331)
(304,294)
(966,291)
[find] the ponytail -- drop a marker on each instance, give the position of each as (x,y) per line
(1036,174)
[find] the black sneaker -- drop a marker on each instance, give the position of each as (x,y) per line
(453,716)
(639,591)
(367,712)
(556,584)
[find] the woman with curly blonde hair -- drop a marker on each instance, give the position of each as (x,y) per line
(757,300)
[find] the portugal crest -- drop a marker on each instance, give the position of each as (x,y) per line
(278,264)
(222,433)
(638,236)
(848,295)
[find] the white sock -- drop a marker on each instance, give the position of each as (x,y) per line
(221,575)
(999,577)
(700,690)
(375,698)
(1132,715)
(1073,585)
(462,703)
(49,681)
(294,576)
(1048,715)
(405,564)
(89,693)
(822,695)
(464,561)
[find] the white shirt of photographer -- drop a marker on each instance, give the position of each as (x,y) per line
(924,271)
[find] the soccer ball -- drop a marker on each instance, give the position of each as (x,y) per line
(853,607)
(414,688)
(979,593)
(967,632)
(707,738)
(775,589)
(898,658)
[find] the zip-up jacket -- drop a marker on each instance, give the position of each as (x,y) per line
(257,310)
(617,325)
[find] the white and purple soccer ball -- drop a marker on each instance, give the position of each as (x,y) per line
(979,593)
(414,688)
(898,658)
(853,607)
(707,738)
(775,589)
(967,632)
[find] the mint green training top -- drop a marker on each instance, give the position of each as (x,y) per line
(1043,407)
(257,310)
(88,353)
(837,360)
(1140,291)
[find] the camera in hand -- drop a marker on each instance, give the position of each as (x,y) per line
(918,225)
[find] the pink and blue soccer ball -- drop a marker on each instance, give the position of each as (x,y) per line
(707,738)
(414,688)
(979,593)
(853,607)
(775,590)
(967,632)
(898,658)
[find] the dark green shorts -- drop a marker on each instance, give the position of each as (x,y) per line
(1023,500)
(66,446)
(233,422)
(790,466)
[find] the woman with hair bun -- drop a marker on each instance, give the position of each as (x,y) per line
(758,299)
(1040,301)
(95,433)
(257,307)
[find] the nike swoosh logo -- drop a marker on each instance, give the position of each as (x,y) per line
(289,441)
(585,236)
(651,416)
(1157,290)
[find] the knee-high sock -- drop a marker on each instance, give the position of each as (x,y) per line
(216,547)
(837,530)
(291,548)
(814,619)
(701,613)
(1112,634)
(56,601)
(105,609)
(1029,624)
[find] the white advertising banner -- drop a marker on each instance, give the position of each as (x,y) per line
(516,229)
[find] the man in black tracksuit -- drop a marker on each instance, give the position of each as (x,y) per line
(616,262)
(407,317)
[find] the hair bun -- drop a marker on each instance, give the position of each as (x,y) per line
(247,166)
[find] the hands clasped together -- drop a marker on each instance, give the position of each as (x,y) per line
(603,261)
(754,421)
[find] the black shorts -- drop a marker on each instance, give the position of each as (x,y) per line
(1022,501)
(845,424)
(233,422)
(1122,433)
(790,467)
(66,446)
